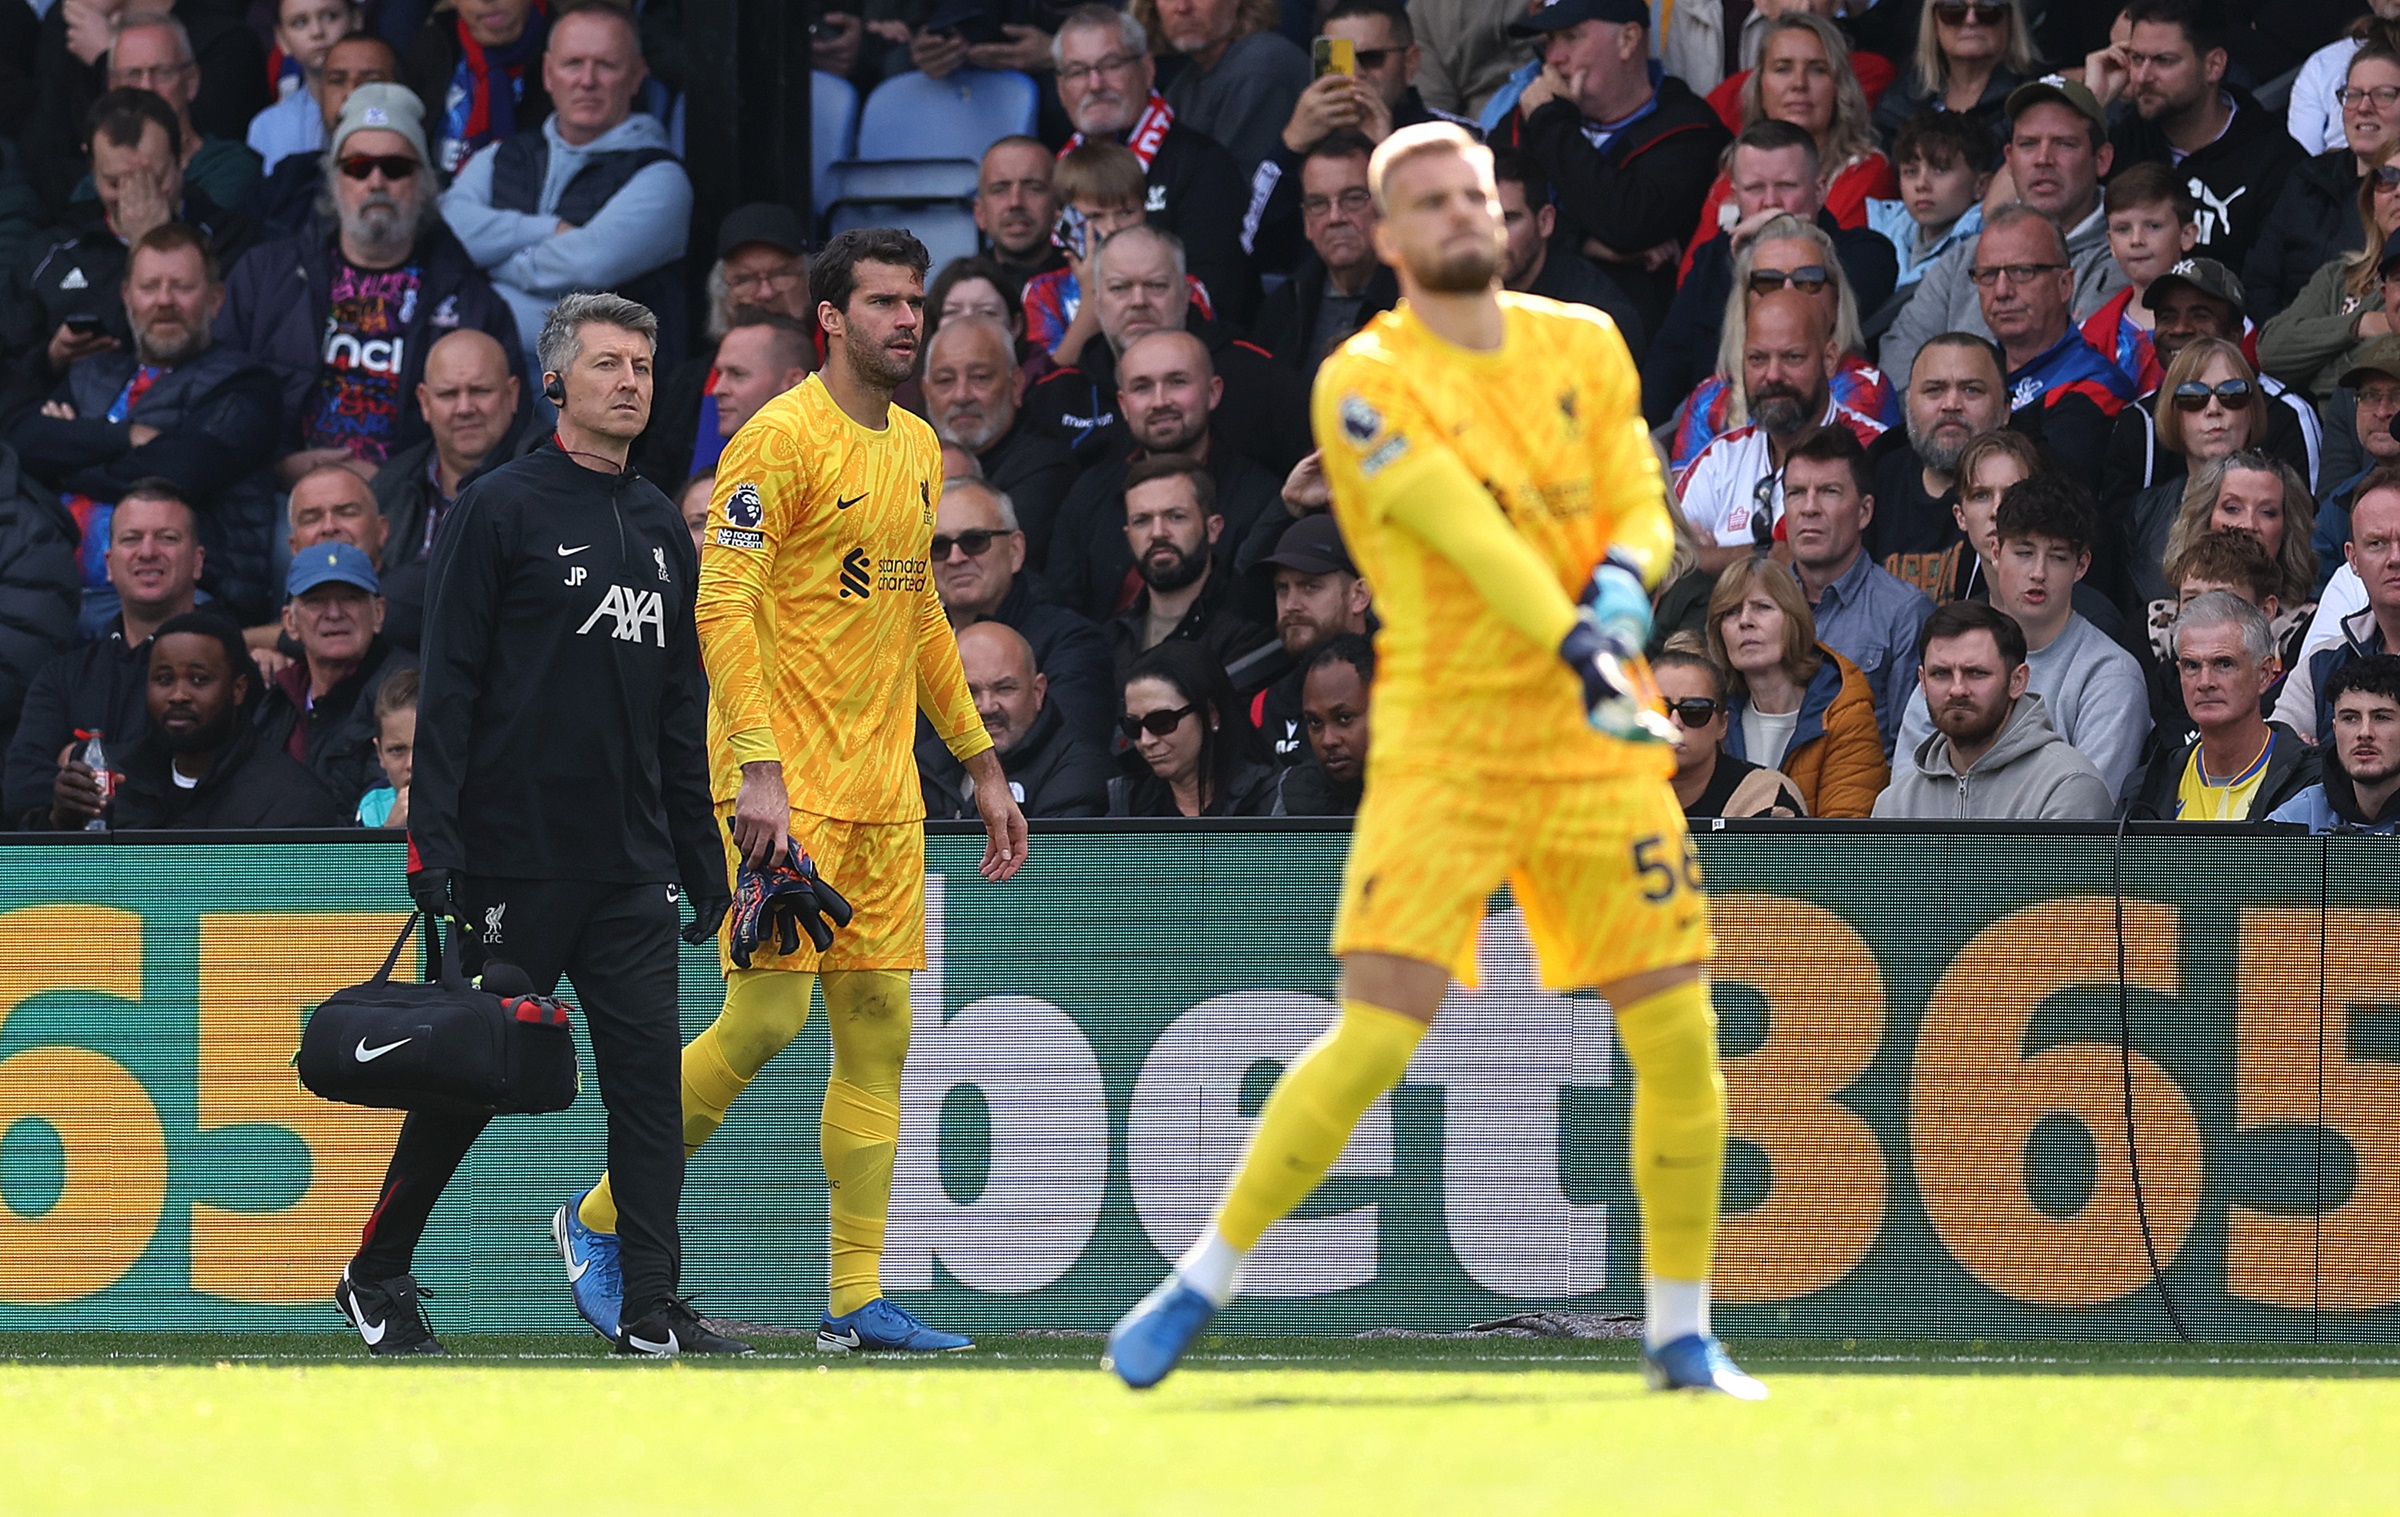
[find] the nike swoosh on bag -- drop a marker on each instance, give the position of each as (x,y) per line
(368,1055)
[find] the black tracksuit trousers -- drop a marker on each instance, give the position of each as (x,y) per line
(617,943)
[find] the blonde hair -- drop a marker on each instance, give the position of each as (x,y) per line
(2363,269)
(2296,560)
(2001,442)
(1801,656)
(1933,73)
(1850,136)
(1412,142)
(1733,333)
(2185,369)
(1099,173)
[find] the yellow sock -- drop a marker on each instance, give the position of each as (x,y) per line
(867,1013)
(764,1010)
(1308,1117)
(1678,1150)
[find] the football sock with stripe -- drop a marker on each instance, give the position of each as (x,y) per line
(867,1012)
(1678,1149)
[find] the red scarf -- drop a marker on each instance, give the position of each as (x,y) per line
(1149,133)
(491,116)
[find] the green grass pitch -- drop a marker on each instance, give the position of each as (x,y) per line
(108,1423)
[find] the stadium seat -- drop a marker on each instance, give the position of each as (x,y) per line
(832,128)
(911,116)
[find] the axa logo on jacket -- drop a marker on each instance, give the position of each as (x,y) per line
(631,611)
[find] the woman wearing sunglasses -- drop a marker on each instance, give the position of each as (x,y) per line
(2327,328)
(1190,739)
(2210,407)
(1709,782)
(2313,222)
(1970,54)
(1797,705)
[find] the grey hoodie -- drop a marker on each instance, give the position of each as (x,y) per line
(2095,695)
(2030,774)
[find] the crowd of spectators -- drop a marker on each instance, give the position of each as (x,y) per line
(2021,375)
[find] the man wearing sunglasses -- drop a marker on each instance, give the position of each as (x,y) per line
(347,312)
(978,556)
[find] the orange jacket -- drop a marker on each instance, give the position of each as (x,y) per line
(1836,756)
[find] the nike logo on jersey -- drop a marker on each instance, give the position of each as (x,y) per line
(368,1055)
(641,1345)
(566,552)
(844,505)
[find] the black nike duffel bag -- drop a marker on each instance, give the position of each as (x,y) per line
(483,1049)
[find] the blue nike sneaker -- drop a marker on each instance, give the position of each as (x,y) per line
(1152,1339)
(882,1328)
(1698,1362)
(593,1273)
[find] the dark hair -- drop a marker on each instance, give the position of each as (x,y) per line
(1983,345)
(174,237)
(957,272)
(1685,658)
(1943,138)
(2149,184)
(377,38)
(1195,675)
(1959,617)
(209,624)
(1404,32)
(797,341)
(1350,648)
(2228,556)
(120,116)
(833,273)
(1835,444)
(2048,505)
(1173,465)
(2375,674)
(1515,166)
(2202,21)
(159,487)
(395,695)
(1339,145)
(1768,135)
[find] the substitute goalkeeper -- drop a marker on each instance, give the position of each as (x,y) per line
(824,636)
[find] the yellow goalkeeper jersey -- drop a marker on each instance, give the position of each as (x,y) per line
(1551,424)
(818,617)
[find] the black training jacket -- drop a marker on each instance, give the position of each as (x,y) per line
(562,724)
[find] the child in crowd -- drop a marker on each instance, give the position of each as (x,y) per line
(395,748)
(1945,163)
(305,31)
(1104,189)
(2152,222)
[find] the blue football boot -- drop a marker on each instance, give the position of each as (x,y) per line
(1698,1362)
(882,1328)
(1152,1339)
(593,1273)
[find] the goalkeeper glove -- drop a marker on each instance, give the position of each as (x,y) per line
(1604,648)
(784,900)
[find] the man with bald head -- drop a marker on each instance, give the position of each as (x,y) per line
(1169,396)
(1733,492)
(471,402)
(1138,288)
(974,396)
(979,555)
(1052,769)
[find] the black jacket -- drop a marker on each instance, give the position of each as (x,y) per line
(1089,558)
(40,589)
(1289,318)
(1685,350)
(1265,410)
(1214,622)
(1250,793)
(1271,230)
(1196,192)
(1053,772)
(2315,221)
(340,747)
(99,686)
(405,489)
(1570,277)
(561,728)
(1035,471)
(663,453)
(1070,654)
(278,297)
(1644,189)
(1305,789)
(2291,768)
(2235,178)
(248,785)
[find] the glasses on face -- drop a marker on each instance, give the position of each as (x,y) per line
(1808,279)
(1373,58)
(394,168)
(974,542)
(2380,398)
(2014,273)
(1156,723)
(766,279)
(1960,12)
(1693,710)
(1080,73)
(1351,202)
(2194,395)
(2384,96)
(148,78)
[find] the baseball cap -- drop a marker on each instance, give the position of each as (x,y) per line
(334,563)
(1312,545)
(383,108)
(764,221)
(2060,88)
(2382,357)
(2206,275)
(1558,15)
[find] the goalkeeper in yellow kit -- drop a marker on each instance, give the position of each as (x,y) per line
(1488,466)
(824,637)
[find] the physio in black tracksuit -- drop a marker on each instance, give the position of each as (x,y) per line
(560,800)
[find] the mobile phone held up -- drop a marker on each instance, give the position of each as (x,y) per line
(1336,55)
(83,325)
(1072,231)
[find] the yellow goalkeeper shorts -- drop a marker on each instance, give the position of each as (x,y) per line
(879,867)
